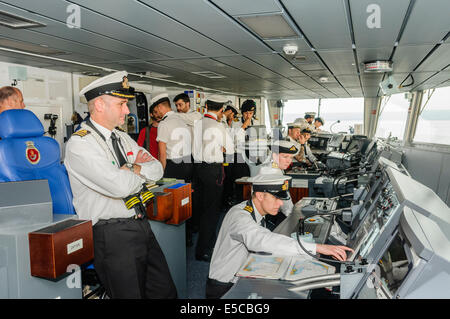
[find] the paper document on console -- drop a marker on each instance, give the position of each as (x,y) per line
(282,267)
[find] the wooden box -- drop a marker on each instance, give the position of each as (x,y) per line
(182,203)
(55,247)
(161,207)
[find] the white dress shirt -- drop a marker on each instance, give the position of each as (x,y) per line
(98,184)
(210,136)
(173,131)
(240,234)
(310,154)
(190,117)
(238,134)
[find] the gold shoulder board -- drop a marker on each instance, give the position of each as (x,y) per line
(249,209)
(81,133)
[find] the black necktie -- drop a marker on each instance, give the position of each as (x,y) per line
(263,222)
(119,154)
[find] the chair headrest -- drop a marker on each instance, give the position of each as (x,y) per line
(20,123)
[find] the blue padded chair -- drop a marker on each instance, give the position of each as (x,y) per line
(26,154)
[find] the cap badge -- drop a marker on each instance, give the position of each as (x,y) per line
(285,185)
(293,148)
(125,84)
(32,153)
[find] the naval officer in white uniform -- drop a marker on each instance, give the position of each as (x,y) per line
(243,230)
(107,172)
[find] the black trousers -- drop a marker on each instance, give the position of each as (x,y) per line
(129,261)
(239,169)
(228,184)
(181,169)
(209,194)
(216,289)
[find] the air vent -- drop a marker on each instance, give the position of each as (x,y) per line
(15,22)
(299,59)
(29,47)
(209,74)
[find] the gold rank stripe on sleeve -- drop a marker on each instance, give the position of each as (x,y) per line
(249,209)
(131,202)
(146,196)
(81,133)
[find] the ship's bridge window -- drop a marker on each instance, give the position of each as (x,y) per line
(348,111)
(433,125)
(393,115)
(294,109)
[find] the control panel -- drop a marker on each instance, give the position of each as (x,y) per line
(375,221)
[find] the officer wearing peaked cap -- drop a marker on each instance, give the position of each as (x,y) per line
(283,152)
(243,230)
(240,167)
(211,142)
(108,172)
(174,140)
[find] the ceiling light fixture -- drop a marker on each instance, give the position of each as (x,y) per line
(269,26)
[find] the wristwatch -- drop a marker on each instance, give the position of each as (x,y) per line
(130,166)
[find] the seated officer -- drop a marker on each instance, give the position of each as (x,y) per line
(283,153)
(305,135)
(243,230)
(10,98)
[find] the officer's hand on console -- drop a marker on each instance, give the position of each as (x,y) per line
(337,252)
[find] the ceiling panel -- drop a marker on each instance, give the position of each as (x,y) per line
(428,23)
(100,31)
(392,14)
(277,64)
(349,80)
(212,23)
(438,60)
(339,62)
(434,80)
(306,14)
(221,68)
(286,83)
(339,91)
(316,74)
(248,66)
(406,58)
(52,42)
(307,82)
(247,7)
(158,24)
